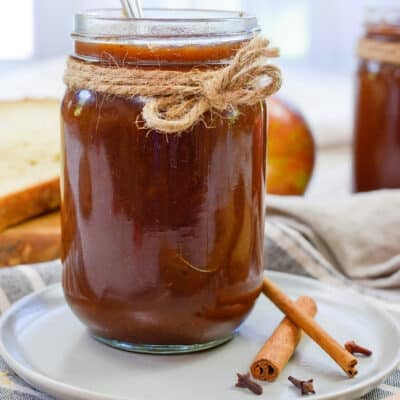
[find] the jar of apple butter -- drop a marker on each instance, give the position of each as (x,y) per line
(162,234)
(377,124)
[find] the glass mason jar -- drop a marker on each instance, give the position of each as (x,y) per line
(376,158)
(162,235)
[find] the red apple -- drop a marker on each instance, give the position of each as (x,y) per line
(291,149)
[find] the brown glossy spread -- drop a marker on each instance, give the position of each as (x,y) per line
(377,126)
(162,235)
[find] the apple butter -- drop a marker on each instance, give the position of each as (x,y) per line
(377,123)
(162,235)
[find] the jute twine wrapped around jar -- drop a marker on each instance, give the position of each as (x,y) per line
(176,100)
(375,50)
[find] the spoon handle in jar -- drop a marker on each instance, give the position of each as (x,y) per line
(132,8)
(139,8)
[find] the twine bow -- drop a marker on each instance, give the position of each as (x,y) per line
(176,100)
(376,50)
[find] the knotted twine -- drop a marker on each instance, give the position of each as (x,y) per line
(375,50)
(176,100)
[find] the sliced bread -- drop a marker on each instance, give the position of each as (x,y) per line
(29,159)
(36,240)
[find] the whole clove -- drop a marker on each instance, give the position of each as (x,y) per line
(244,381)
(306,387)
(354,348)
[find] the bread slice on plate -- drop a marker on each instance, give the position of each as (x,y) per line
(29,159)
(36,240)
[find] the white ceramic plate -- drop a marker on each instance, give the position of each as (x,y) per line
(46,345)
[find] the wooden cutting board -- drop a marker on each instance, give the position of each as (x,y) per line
(36,240)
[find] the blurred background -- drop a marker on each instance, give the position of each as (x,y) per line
(314,34)
(312,121)
(318,40)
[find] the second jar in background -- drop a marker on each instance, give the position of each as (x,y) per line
(377,125)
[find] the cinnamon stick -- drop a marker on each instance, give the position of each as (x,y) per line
(342,357)
(279,348)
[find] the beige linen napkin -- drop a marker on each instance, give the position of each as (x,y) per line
(357,237)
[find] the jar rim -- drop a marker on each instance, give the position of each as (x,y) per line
(116,14)
(162,24)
